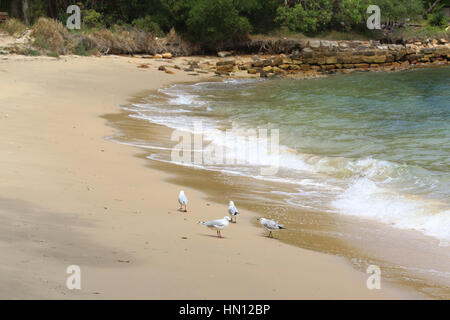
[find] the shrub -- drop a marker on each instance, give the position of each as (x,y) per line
(148,25)
(51,35)
(53,54)
(438,19)
(92,18)
(314,17)
(80,49)
(349,13)
(215,21)
(13,27)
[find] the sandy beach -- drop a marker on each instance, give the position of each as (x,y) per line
(68,197)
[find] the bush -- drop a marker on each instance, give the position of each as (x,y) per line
(80,49)
(349,13)
(13,27)
(92,18)
(51,35)
(148,25)
(53,54)
(438,19)
(313,18)
(215,21)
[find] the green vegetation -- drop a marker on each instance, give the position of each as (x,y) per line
(53,54)
(438,19)
(125,26)
(13,27)
(50,35)
(220,20)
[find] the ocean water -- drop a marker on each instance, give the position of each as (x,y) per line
(372,145)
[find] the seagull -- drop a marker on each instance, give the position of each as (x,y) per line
(217,224)
(270,225)
(233,211)
(182,199)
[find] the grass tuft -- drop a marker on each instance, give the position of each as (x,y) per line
(13,27)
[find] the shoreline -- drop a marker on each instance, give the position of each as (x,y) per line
(398,260)
(71,197)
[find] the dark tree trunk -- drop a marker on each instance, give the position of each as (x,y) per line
(25,12)
(15,9)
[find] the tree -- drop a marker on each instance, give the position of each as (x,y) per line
(305,16)
(216,21)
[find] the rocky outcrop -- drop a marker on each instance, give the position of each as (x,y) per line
(323,56)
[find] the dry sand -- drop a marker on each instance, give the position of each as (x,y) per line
(70,197)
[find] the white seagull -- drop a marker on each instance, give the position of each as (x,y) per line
(233,211)
(270,225)
(182,199)
(217,224)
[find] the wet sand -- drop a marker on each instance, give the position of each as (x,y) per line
(68,196)
(405,256)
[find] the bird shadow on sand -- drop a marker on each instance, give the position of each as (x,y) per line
(211,236)
(267,236)
(181,210)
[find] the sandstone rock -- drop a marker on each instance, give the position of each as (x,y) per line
(157,56)
(314,44)
(167,55)
(307,53)
(277,70)
(226,62)
(267,62)
(345,58)
(379,59)
(268,69)
(284,66)
(305,67)
(366,59)
(427,50)
(221,73)
(253,70)
(225,68)
(390,58)
(414,57)
(328,66)
(245,66)
(224,54)
(258,63)
(277,61)
(331,60)
(325,43)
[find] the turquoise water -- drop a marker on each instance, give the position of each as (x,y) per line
(371,145)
